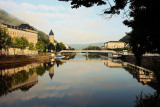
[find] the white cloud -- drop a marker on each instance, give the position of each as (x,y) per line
(28,6)
(8,5)
(53,15)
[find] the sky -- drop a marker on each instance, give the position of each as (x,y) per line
(70,26)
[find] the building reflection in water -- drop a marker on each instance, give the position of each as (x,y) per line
(23,78)
(141,74)
(113,63)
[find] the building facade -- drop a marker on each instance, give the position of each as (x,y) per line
(114,45)
(23,30)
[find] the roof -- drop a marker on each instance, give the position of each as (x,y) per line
(26,26)
(21,27)
(51,33)
(114,41)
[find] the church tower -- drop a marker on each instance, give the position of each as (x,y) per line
(51,37)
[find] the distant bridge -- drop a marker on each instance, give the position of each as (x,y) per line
(84,60)
(88,51)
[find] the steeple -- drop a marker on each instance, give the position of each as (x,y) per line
(51,37)
(51,33)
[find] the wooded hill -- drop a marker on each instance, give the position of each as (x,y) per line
(9,19)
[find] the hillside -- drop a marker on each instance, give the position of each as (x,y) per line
(125,39)
(9,19)
(81,46)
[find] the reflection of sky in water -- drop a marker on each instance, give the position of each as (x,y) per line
(80,84)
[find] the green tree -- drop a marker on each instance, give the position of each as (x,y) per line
(5,40)
(31,46)
(40,46)
(51,47)
(20,42)
(90,47)
(58,48)
(43,37)
(62,46)
(70,48)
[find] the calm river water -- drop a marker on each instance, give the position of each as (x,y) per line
(77,82)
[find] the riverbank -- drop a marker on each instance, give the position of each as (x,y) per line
(8,59)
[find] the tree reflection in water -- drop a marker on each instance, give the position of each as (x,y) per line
(10,81)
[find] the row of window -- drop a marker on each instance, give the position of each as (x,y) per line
(32,38)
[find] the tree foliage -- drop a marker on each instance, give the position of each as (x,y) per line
(51,47)
(5,39)
(40,46)
(90,47)
(43,37)
(61,44)
(141,15)
(20,42)
(31,46)
(58,48)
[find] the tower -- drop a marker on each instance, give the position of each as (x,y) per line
(51,37)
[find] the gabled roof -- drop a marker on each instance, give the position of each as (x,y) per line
(51,33)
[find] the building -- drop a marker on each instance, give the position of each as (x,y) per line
(114,44)
(23,30)
(51,37)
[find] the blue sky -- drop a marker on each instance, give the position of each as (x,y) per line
(71,26)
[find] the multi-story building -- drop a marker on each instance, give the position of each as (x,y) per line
(23,30)
(114,44)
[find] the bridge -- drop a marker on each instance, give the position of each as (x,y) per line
(86,51)
(111,52)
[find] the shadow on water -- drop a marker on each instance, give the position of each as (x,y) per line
(152,79)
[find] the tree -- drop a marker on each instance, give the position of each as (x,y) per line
(51,47)
(31,46)
(141,15)
(63,47)
(58,48)
(90,47)
(70,48)
(40,46)
(20,42)
(5,40)
(43,37)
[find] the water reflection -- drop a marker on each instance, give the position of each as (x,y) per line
(95,82)
(23,78)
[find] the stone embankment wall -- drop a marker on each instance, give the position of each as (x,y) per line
(16,51)
(26,58)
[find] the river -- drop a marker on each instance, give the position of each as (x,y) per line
(78,82)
